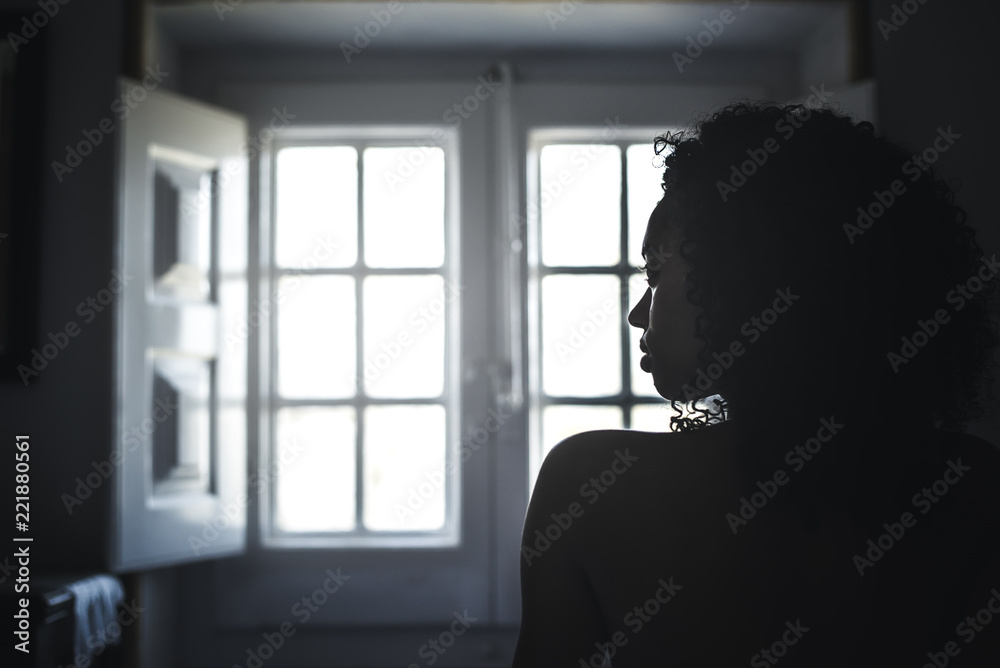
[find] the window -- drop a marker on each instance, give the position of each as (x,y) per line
(361,389)
(589,199)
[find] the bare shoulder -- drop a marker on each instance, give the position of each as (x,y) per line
(582,451)
(590,447)
(569,466)
(591,463)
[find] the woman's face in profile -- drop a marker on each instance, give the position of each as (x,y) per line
(666,318)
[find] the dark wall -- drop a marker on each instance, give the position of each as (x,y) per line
(67,408)
(940,69)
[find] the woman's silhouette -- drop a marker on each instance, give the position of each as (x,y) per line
(818,296)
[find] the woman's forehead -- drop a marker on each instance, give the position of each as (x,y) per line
(656,235)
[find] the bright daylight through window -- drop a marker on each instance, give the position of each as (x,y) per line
(359,375)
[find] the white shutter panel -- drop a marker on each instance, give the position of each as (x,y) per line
(181,357)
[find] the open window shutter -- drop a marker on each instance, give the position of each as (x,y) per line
(181,357)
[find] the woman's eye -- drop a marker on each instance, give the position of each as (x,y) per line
(651,273)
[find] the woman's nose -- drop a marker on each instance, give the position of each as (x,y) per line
(639,315)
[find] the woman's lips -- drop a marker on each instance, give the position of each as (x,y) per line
(644,363)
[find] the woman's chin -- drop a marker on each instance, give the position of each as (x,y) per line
(667,385)
(673,386)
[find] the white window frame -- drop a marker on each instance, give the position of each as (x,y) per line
(361,137)
(398,586)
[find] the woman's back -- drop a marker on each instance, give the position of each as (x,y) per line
(684,561)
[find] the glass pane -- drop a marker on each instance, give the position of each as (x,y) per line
(642,382)
(581,335)
(182,229)
(580,203)
(651,417)
(316,342)
(182,437)
(404,325)
(559,422)
(644,191)
(315,463)
(316,204)
(404,206)
(404,468)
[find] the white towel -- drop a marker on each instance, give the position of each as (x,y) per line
(97,601)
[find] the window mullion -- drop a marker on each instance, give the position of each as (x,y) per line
(359,449)
(623,291)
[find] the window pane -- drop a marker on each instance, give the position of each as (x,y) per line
(404,206)
(559,422)
(182,445)
(651,417)
(642,382)
(404,468)
(182,229)
(581,335)
(404,325)
(315,460)
(316,342)
(644,191)
(580,204)
(316,207)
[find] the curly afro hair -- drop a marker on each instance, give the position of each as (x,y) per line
(895,316)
